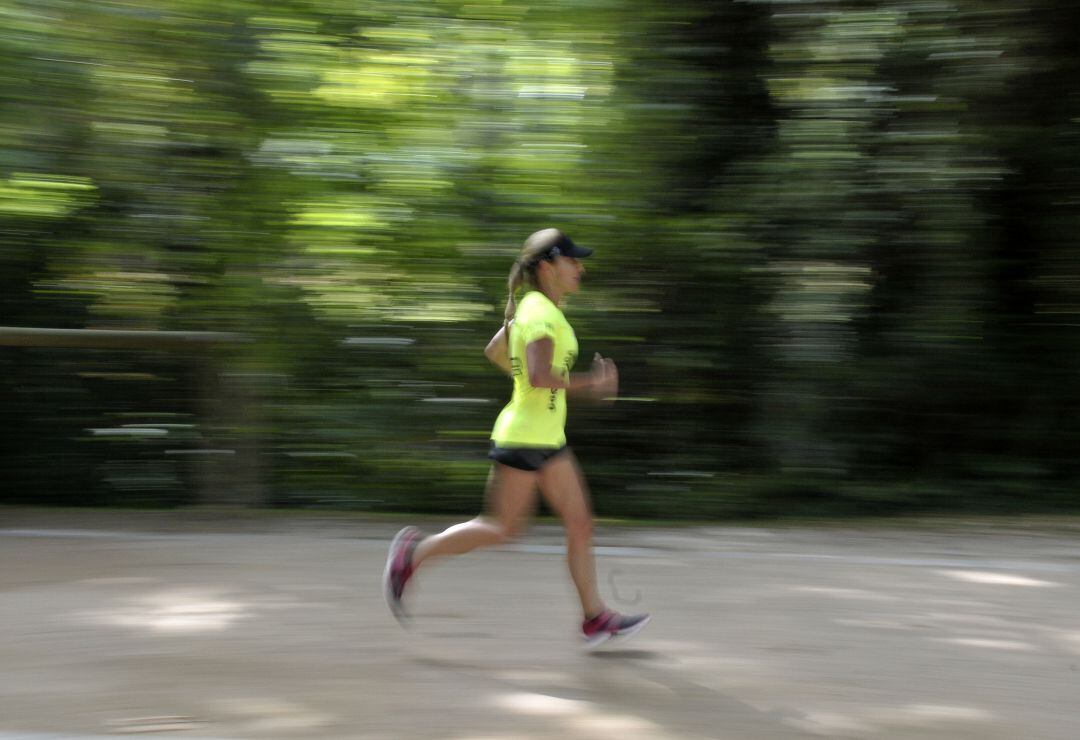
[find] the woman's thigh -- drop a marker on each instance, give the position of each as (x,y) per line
(565,490)
(511,495)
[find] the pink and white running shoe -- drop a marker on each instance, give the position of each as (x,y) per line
(399,569)
(609,624)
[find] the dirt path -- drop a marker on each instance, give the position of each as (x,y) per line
(117,624)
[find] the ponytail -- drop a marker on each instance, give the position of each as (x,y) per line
(517,276)
(543,245)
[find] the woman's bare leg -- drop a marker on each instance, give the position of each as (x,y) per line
(511,495)
(565,490)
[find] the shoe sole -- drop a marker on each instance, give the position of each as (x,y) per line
(601,638)
(396,607)
(591,643)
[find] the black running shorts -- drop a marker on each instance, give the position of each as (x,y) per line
(524,458)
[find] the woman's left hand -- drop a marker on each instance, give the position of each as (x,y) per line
(605,386)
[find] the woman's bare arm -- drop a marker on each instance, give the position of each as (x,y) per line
(602,380)
(497,352)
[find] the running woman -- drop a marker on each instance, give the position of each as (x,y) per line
(536,347)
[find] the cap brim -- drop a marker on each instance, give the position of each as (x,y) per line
(577,252)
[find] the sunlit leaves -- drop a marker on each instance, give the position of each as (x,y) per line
(378,80)
(43,196)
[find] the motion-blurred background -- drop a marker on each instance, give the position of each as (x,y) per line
(836,254)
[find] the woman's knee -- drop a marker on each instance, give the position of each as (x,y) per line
(511,531)
(503,532)
(579,529)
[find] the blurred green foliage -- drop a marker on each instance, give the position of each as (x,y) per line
(835,248)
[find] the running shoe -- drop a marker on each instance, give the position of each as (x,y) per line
(399,569)
(608,624)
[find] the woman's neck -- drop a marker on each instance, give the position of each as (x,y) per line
(552,295)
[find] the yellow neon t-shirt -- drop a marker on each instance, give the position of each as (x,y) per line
(536,417)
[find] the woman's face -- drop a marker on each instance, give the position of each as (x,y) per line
(565,274)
